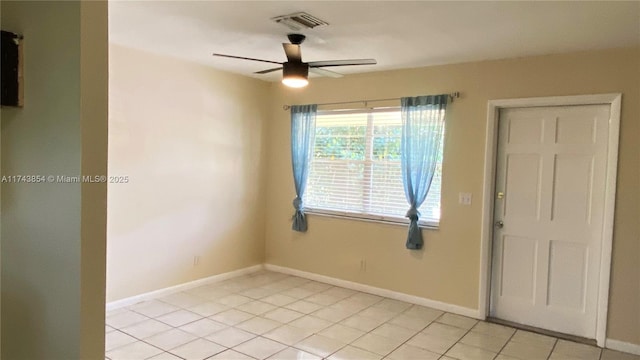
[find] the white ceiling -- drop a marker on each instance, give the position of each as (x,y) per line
(399,34)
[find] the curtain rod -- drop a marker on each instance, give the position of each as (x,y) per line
(454,95)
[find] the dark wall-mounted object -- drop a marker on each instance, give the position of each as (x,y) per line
(11,65)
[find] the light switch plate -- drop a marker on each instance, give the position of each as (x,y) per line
(464,198)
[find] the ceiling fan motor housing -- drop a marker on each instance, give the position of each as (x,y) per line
(294,69)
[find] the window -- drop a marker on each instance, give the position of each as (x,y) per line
(355,169)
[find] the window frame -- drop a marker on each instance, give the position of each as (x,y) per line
(368,217)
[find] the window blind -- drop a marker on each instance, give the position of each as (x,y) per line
(356,168)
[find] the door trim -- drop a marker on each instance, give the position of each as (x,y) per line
(614,100)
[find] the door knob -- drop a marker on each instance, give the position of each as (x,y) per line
(499,224)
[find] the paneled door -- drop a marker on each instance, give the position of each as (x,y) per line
(548,216)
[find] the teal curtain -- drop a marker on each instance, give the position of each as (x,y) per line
(303,128)
(422,130)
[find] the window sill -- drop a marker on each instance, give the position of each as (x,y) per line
(424,224)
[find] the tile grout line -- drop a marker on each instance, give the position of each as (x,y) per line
(457,341)
(263,281)
(335,323)
(173,327)
(418,332)
(138,340)
(552,348)
(277,307)
(253,316)
(402,312)
(238,292)
(505,344)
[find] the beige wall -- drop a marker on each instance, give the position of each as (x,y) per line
(191,141)
(94,108)
(52,307)
(447,269)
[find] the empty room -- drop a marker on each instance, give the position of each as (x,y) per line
(337,180)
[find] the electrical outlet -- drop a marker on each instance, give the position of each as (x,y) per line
(464,198)
(196,261)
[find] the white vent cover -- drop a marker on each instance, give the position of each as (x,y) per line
(299,21)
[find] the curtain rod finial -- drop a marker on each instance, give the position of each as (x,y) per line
(286,107)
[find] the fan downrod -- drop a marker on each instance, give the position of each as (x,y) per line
(296,39)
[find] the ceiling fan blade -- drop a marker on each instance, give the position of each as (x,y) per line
(268,70)
(293,52)
(314,64)
(325,72)
(246,58)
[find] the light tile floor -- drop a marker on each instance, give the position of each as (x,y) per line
(268,315)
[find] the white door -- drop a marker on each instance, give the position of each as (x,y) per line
(548,214)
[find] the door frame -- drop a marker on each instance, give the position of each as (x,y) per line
(614,100)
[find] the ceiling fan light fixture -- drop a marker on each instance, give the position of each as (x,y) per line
(295,75)
(294,82)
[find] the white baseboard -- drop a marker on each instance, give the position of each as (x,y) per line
(181,287)
(460,310)
(623,346)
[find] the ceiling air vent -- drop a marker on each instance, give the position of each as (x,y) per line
(299,21)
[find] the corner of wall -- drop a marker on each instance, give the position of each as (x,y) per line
(271,98)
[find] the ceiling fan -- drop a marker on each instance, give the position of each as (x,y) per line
(295,72)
